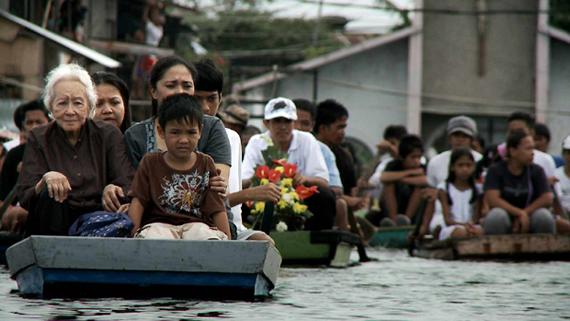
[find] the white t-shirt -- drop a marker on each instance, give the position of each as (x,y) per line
(153,34)
(304,151)
(564,184)
(461,210)
(438,167)
(234,184)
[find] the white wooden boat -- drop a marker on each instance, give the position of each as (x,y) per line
(55,266)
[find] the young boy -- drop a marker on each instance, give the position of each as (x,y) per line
(403,179)
(171,194)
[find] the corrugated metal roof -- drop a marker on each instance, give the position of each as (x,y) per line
(62,41)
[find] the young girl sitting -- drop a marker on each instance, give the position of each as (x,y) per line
(459,197)
(171,194)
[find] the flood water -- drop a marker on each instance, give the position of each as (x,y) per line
(396,287)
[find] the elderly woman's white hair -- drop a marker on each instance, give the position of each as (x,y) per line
(66,72)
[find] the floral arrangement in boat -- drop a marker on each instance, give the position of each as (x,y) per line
(290,211)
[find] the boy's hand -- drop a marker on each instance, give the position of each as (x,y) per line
(416,171)
(218,184)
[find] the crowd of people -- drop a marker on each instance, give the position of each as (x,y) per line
(186,172)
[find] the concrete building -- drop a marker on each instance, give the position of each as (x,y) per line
(481,58)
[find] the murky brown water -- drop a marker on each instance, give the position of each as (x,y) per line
(395,288)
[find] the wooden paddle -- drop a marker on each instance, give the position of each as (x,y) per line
(419,221)
(363,257)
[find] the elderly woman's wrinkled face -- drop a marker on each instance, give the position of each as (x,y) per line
(70,106)
(176,80)
(110,107)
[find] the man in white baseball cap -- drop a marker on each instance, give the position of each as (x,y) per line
(303,150)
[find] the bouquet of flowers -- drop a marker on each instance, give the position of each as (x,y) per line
(290,211)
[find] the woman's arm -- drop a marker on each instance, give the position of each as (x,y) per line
(544,201)
(494,199)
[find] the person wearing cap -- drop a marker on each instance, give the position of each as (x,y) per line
(461,131)
(208,92)
(234,117)
(303,150)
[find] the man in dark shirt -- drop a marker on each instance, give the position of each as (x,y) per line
(26,117)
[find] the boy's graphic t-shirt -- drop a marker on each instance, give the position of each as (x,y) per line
(176,197)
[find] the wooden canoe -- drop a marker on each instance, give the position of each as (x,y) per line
(306,248)
(516,247)
(392,237)
(59,266)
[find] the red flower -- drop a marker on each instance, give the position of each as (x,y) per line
(274,176)
(305,192)
(290,170)
(262,172)
(280,162)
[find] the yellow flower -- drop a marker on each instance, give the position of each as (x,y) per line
(299,208)
(294,195)
(264,181)
(259,207)
(281,204)
(280,169)
(286,182)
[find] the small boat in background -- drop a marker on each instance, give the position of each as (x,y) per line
(515,247)
(60,266)
(391,237)
(328,247)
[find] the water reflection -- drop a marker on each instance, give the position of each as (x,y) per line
(395,288)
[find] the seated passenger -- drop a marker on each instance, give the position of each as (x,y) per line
(303,150)
(403,179)
(459,197)
(517,191)
(27,117)
(172,198)
(112,100)
(71,164)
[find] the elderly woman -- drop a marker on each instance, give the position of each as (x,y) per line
(73,165)
(112,100)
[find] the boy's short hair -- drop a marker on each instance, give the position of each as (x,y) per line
(20,112)
(210,78)
(408,144)
(527,118)
(541,129)
(328,112)
(306,105)
(180,107)
(395,132)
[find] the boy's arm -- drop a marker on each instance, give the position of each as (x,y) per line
(420,180)
(221,222)
(396,176)
(136,211)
